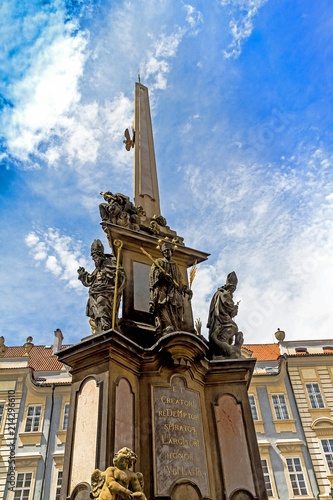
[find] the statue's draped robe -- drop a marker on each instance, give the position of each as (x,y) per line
(101,283)
(221,311)
(166,297)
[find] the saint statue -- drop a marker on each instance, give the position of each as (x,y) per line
(167,292)
(224,337)
(101,283)
(118,482)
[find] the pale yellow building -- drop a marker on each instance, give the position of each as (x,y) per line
(34,404)
(310,368)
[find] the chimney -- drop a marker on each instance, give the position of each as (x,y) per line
(58,338)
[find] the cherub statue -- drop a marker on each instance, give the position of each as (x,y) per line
(118,482)
(224,337)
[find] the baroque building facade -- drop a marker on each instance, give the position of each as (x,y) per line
(34,406)
(291,398)
(292,407)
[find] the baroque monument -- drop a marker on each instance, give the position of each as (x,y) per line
(149,393)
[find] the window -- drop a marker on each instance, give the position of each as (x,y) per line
(2,412)
(315,396)
(296,476)
(301,350)
(253,407)
(33,418)
(328,450)
(280,407)
(23,486)
(59,483)
(65,419)
(267,477)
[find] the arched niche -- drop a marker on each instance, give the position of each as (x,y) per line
(124,415)
(241,495)
(85,432)
(185,490)
(81,491)
(236,467)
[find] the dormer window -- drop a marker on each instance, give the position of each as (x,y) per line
(301,350)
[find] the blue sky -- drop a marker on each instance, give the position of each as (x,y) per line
(241,97)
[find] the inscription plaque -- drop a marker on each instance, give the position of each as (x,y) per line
(179,446)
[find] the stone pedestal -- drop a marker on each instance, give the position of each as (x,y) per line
(187,418)
(136,322)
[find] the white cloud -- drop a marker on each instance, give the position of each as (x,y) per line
(194,17)
(61,254)
(275,229)
(47,92)
(53,265)
(242,13)
(156,65)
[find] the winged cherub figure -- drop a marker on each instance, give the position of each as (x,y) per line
(118,482)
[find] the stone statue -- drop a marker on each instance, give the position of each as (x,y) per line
(167,291)
(224,337)
(119,210)
(101,283)
(118,482)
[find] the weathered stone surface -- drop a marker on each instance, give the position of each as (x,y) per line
(224,338)
(106,284)
(81,492)
(178,437)
(167,292)
(230,430)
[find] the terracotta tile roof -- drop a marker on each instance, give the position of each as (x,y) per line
(264,352)
(40,357)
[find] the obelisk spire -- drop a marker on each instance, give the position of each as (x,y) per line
(146,191)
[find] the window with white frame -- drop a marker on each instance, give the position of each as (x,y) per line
(65,418)
(327,445)
(280,407)
(33,418)
(267,477)
(296,476)
(253,406)
(315,396)
(2,412)
(23,486)
(58,485)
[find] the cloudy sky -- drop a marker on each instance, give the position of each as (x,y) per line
(241,96)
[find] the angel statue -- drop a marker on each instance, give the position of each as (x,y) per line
(224,337)
(118,482)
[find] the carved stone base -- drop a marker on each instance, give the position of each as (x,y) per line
(186,417)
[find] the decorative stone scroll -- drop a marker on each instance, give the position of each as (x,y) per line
(178,438)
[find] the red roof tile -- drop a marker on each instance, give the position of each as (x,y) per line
(264,352)
(40,357)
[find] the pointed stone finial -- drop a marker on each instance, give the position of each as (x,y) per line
(28,346)
(3,348)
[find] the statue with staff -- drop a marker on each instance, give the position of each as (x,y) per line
(224,337)
(106,284)
(167,291)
